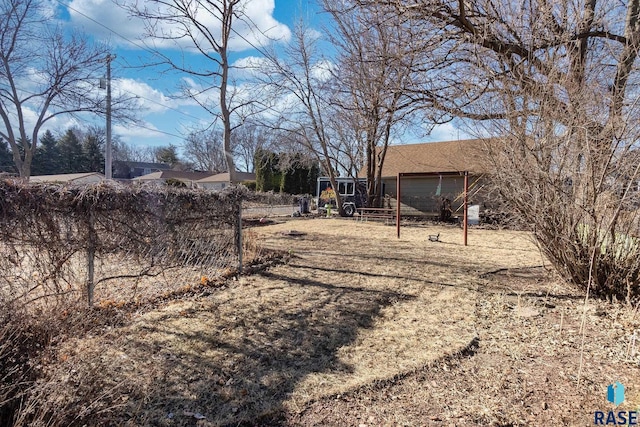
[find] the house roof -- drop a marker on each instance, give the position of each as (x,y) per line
(434,157)
(224,177)
(145,165)
(172,174)
(65,177)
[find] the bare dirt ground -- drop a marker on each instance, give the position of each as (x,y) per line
(361,328)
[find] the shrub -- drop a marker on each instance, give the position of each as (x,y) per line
(173,182)
(251,185)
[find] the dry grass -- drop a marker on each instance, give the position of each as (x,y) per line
(358,328)
(354,306)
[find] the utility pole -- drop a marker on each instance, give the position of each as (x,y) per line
(107,155)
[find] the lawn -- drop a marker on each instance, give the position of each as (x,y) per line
(359,328)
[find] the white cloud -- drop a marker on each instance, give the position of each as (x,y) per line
(152,105)
(201,94)
(312,34)
(56,124)
(98,17)
(31,81)
(447,132)
(244,96)
(149,100)
(248,67)
(133,132)
(322,70)
(146,134)
(160,111)
(49,8)
(105,21)
(263,26)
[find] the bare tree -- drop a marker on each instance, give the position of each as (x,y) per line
(557,82)
(204,150)
(43,74)
(188,22)
(376,62)
(123,152)
(302,85)
(252,137)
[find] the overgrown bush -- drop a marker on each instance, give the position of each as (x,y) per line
(174,182)
(251,185)
(25,338)
(14,371)
(29,393)
(53,237)
(582,205)
(48,234)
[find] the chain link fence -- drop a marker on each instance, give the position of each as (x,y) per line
(270,204)
(110,242)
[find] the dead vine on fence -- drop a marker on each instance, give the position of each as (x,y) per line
(61,240)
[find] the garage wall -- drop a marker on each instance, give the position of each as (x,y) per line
(419,194)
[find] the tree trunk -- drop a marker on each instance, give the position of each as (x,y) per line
(227,20)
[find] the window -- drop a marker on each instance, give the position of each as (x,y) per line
(345,188)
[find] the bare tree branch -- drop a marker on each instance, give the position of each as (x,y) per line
(44,72)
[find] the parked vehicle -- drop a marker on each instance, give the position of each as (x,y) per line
(353,193)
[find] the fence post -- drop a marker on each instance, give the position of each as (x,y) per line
(465,214)
(91,254)
(238,233)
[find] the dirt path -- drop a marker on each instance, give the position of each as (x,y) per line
(357,328)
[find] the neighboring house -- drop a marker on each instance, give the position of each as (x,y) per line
(75,178)
(130,170)
(221,181)
(436,172)
(189,178)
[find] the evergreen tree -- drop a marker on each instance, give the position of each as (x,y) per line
(21,147)
(168,155)
(47,156)
(71,155)
(301,176)
(288,173)
(6,158)
(93,158)
(268,176)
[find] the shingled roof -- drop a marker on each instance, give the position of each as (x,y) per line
(224,177)
(66,177)
(433,157)
(173,174)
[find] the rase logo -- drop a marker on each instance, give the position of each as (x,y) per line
(615,395)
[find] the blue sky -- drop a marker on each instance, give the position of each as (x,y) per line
(164,118)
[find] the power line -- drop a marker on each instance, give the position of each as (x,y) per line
(162,57)
(155,52)
(151,51)
(169,108)
(107,28)
(160,131)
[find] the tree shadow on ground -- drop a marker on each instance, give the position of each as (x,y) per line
(528,282)
(236,360)
(379,275)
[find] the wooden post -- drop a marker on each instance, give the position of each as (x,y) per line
(466,206)
(108,169)
(398,194)
(239,236)
(91,255)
